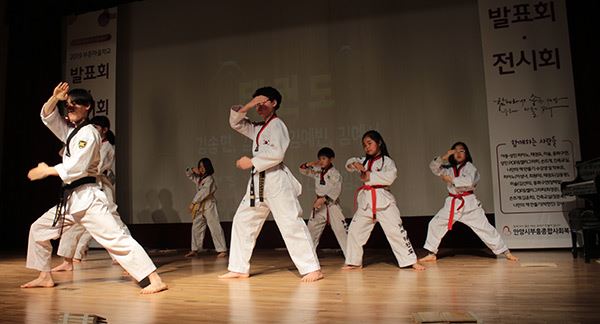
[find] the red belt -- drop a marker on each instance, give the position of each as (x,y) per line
(373,190)
(452,204)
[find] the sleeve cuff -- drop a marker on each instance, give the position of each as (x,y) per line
(235,117)
(62,173)
(50,116)
(256,164)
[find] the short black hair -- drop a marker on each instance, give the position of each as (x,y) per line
(326,152)
(468,157)
(82,97)
(270,93)
(101,121)
(207,166)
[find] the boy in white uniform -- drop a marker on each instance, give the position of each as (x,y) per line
(82,201)
(326,207)
(272,188)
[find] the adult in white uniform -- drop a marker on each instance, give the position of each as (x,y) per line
(326,209)
(272,188)
(376,204)
(83,202)
(74,243)
(204,209)
(456,169)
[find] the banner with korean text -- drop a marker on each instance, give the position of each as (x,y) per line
(91,57)
(532,118)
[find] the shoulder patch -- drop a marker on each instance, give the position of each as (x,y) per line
(82,144)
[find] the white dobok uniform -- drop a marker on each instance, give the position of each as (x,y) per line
(461,205)
(75,242)
(206,214)
(328,185)
(375,203)
(278,190)
(87,205)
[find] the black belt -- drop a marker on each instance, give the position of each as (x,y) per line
(329,201)
(261,187)
(65,193)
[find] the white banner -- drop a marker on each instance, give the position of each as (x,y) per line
(532,118)
(91,58)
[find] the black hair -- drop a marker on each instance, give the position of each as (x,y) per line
(468,157)
(375,136)
(207,166)
(270,93)
(82,97)
(110,137)
(104,122)
(326,152)
(101,121)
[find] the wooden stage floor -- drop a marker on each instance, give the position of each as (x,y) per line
(543,287)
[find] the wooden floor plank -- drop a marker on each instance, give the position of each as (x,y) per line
(494,290)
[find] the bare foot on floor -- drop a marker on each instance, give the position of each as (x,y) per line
(234,275)
(154,288)
(77,261)
(222,255)
(191,254)
(40,282)
(510,257)
(65,266)
(313,276)
(429,258)
(418,267)
(351,267)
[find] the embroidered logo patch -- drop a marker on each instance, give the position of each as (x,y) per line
(82,144)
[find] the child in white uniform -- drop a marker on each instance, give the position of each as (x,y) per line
(272,188)
(82,201)
(203,209)
(326,207)
(376,204)
(456,169)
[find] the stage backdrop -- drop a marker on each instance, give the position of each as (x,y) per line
(412,70)
(532,118)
